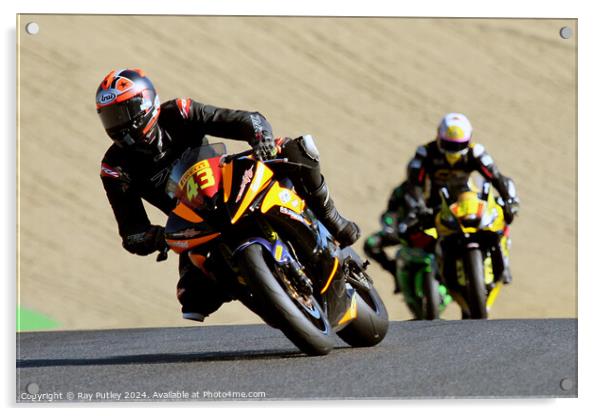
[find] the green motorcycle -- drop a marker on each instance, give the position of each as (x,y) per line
(416,271)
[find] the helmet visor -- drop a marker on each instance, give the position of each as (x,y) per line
(450,146)
(121,115)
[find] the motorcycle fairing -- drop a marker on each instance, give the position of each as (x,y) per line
(283,197)
(469,210)
(351,312)
(180,246)
(185,229)
(249,187)
(277,249)
(239,194)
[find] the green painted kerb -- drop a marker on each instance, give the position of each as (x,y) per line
(28,320)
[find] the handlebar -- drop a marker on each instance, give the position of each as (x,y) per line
(283,161)
(230,158)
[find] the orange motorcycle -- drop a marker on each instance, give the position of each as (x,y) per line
(240,220)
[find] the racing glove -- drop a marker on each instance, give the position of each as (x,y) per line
(146,242)
(510,209)
(264,146)
(419,215)
(422,210)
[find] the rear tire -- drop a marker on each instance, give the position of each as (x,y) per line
(313,337)
(475,284)
(372,321)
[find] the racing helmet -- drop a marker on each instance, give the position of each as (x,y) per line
(454,133)
(129,106)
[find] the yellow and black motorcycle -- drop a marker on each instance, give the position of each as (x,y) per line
(241,221)
(471,248)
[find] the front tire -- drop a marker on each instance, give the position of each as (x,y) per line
(475,284)
(307,328)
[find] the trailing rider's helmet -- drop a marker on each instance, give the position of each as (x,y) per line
(453,134)
(128,106)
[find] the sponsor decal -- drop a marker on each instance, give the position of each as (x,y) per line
(257,125)
(106,170)
(183,244)
(189,232)
(293,215)
(106,97)
(184,106)
(246,179)
(258,177)
(285,196)
(200,175)
(443,175)
(160,177)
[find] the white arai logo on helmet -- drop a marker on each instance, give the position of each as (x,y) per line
(106,97)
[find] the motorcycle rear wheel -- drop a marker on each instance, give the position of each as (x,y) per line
(372,321)
(431,298)
(307,327)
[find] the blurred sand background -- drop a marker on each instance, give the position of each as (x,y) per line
(369,89)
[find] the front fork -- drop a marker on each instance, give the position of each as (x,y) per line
(495,261)
(327,282)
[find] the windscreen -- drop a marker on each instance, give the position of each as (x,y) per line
(188,160)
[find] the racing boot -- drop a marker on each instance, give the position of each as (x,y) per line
(193,316)
(344,231)
(197,291)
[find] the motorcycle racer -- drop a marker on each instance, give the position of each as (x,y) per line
(400,204)
(448,161)
(149,137)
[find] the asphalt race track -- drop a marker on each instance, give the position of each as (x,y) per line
(497,358)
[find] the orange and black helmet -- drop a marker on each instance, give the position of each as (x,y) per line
(129,106)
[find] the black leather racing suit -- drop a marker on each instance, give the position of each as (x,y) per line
(400,204)
(129,177)
(431,163)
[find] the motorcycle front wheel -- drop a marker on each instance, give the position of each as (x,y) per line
(475,284)
(298,316)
